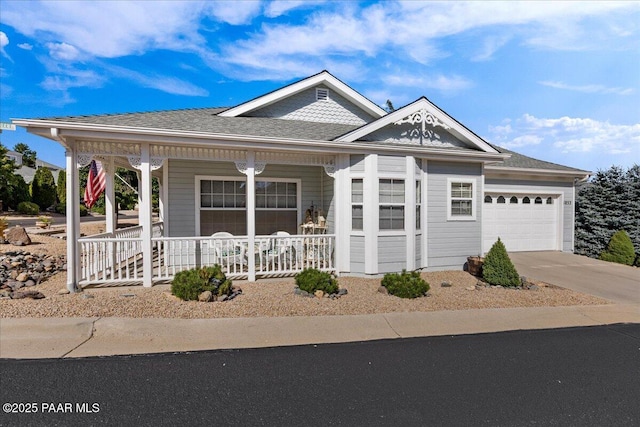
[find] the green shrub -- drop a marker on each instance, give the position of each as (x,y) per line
(312,279)
(405,285)
(28,208)
(61,187)
(620,249)
(498,268)
(62,209)
(43,188)
(188,284)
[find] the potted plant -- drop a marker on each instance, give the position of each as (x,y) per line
(44,221)
(474,265)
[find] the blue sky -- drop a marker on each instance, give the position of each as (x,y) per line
(553,80)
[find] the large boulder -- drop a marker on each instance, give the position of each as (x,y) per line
(17,236)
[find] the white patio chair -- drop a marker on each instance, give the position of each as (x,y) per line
(280,250)
(227,251)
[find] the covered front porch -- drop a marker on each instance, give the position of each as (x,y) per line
(214,209)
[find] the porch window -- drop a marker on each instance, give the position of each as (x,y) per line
(356,204)
(391,198)
(461,199)
(223,206)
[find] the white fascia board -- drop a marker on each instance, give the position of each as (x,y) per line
(203,139)
(322,78)
(491,170)
(423,103)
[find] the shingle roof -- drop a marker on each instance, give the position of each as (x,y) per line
(518,160)
(206,120)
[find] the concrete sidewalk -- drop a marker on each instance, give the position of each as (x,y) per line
(82,337)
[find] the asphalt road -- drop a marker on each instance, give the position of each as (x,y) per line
(563,377)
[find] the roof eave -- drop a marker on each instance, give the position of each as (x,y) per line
(541,172)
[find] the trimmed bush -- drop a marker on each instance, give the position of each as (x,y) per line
(405,284)
(620,249)
(188,284)
(312,279)
(28,208)
(62,209)
(498,268)
(43,188)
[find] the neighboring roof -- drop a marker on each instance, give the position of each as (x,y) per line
(207,120)
(520,161)
(324,78)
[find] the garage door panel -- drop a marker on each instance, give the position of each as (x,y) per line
(521,226)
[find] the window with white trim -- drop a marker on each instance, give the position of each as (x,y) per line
(461,199)
(357,197)
(391,204)
(223,206)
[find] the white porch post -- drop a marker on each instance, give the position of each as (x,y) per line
(164,197)
(371,214)
(145,215)
(109,195)
(73,219)
(251,214)
(342,213)
(410,212)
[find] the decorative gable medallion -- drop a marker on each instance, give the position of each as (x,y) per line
(422,118)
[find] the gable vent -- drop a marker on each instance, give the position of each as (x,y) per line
(322,94)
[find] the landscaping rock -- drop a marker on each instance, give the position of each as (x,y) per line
(223,298)
(533,287)
(319,294)
(63,291)
(470,288)
(383,290)
(343,291)
(445,285)
(27,294)
(17,236)
(205,296)
(22,277)
(87,296)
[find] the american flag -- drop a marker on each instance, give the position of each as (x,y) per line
(95,184)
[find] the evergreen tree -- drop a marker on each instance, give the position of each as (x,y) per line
(620,249)
(13,189)
(43,188)
(498,268)
(28,155)
(61,187)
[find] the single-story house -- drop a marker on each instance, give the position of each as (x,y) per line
(313,174)
(26,172)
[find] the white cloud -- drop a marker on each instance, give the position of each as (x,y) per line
(4,41)
(419,81)
(569,135)
(234,12)
(273,9)
(589,88)
(25,46)
(166,84)
(490,45)
(63,51)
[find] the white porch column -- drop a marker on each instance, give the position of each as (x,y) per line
(342,214)
(410,212)
(164,197)
(145,215)
(251,213)
(371,214)
(109,195)
(73,220)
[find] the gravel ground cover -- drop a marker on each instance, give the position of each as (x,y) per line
(273,297)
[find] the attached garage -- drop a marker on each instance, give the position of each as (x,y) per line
(524,222)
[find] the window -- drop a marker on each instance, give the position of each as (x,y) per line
(391,198)
(488,199)
(549,201)
(461,199)
(357,222)
(223,206)
(501,200)
(513,200)
(538,201)
(526,200)
(418,203)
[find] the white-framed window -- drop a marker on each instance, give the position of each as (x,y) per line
(357,200)
(223,205)
(418,203)
(461,199)
(391,204)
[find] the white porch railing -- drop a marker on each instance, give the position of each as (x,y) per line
(119,259)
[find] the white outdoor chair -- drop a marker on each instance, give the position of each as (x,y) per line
(279,251)
(227,251)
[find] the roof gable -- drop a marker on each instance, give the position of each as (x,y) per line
(421,122)
(323,78)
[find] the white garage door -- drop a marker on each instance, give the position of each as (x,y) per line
(523,222)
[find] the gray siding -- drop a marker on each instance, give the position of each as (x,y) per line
(357,163)
(392,164)
(524,186)
(418,250)
(392,252)
(182,175)
(304,106)
(451,242)
(357,254)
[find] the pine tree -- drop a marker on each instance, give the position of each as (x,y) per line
(620,249)
(498,268)
(43,188)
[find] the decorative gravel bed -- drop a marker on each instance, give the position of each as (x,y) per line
(273,297)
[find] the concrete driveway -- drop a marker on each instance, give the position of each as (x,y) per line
(615,282)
